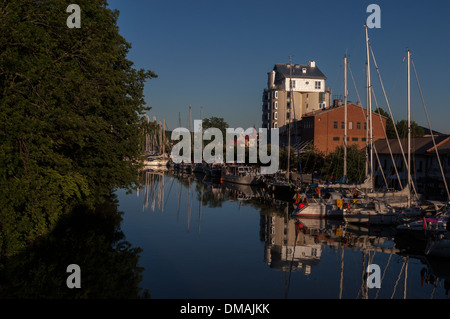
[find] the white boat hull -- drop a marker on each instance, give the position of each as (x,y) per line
(318,210)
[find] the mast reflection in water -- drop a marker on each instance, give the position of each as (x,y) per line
(206,239)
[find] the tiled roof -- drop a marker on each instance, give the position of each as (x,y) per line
(333,108)
(297,71)
(419,145)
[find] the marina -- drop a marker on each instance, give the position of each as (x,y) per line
(203,238)
(217,150)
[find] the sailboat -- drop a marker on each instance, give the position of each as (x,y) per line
(158,159)
(379,206)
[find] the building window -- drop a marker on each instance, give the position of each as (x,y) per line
(288,105)
(335,138)
(335,124)
(354,139)
(363,139)
(342,125)
(275,115)
(317,85)
(293,84)
(306,105)
(276,94)
(275,125)
(358,125)
(288,95)
(288,115)
(365,125)
(275,105)
(350,125)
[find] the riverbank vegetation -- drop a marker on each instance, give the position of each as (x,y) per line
(71,110)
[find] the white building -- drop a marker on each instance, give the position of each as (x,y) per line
(293,90)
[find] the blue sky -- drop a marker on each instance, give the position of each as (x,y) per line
(215,55)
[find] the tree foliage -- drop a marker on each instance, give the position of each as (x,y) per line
(402,127)
(216,122)
(71,110)
(333,168)
(89,238)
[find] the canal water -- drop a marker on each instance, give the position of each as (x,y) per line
(206,240)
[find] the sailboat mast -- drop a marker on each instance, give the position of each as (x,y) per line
(345,118)
(201,119)
(409,128)
(163,137)
(190,120)
(289,122)
(369,106)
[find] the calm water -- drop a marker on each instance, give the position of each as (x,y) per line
(206,240)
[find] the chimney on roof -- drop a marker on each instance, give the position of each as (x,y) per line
(271,80)
(312,64)
(337,103)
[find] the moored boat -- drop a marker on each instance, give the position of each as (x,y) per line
(241,175)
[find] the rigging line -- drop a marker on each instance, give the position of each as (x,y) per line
(179,198)
(165,203)
(431,131)
(361,290)
(357,94)
(392,117)
(432,292)
(406,277)
(387,142)
(380,168)
(384,273)
(363,113)
(396,283)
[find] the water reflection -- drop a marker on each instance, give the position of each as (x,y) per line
(88,237)
(317,258)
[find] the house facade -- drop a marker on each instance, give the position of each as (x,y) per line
(325,128)
(293,90)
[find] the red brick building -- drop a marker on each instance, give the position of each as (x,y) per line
(325,127)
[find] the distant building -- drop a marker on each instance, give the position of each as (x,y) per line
(293,90)
(324,128)
(425,170)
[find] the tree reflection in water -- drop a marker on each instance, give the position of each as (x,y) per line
(90,238)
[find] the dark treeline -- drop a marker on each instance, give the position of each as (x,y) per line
(71,110)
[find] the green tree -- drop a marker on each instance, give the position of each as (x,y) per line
(71,110)
(334,164)
(311,159)
(402,127)
(416,130)
(216,122)
(390,130)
